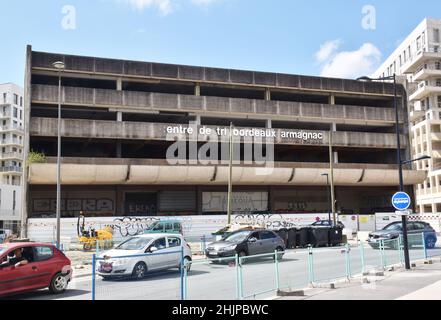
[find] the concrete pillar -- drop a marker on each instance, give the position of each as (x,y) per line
(269,124)
(267,94)
(434,208)
(331,99)
(118,149)
(198,120)
(197,89)
(335,154)
(119,116)
(119,84)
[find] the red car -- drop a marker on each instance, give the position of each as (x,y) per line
(47,267)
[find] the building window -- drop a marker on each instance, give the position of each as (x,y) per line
(21,114)
(418,43)
(435,35)
(21,101)
(438,82)
(14,200)
(15,112)
(15,99)
(439,102)
(5,96)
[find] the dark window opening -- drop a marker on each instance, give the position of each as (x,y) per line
(162,87)
(163,117)
(225,92)
(374,129)
(297,97)
(364,102)
(71,112)
(301,125)
(74,82)
(373,156)
(225,122)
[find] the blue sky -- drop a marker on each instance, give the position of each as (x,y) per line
(267,35)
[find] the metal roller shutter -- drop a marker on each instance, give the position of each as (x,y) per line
(177,200)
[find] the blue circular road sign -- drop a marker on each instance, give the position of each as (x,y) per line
(401,201)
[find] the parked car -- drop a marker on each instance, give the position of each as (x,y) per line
(246,243)
(395,229)
(166,226)
(327,223)
(138,255)
(47,267)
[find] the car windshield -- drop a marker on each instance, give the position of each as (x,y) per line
(135,243)
(2,250)
(238,236)
(393,227)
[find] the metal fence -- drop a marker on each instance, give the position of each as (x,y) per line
(262,276)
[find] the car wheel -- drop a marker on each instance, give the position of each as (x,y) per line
(139,271)
(187,262)
(58,284)
(87,247)
(105,278)
(430,242)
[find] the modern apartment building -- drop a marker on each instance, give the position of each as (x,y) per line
(11,147)
(117,114)
(418,58)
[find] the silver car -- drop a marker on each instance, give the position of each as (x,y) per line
(246,243)
(140,254)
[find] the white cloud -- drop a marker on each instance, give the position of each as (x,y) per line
(327,50)
(347,64)
(164,6)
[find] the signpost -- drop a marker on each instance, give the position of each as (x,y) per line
(401,201)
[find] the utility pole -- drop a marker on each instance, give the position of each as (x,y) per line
(230,177)
(331,177)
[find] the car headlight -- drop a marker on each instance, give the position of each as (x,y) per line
(119,262)
(229,248)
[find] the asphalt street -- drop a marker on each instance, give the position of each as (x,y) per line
(217,281)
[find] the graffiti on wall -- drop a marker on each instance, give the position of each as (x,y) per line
(270,221)
(48,206)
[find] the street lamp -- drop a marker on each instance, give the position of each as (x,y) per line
(399,161)
(328,193)
(60,66)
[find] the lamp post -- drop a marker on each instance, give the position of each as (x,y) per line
(60,66)
(328,191)
(399,161)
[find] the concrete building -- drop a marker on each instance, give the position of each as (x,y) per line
(116,115)
(11,147)
(418,59)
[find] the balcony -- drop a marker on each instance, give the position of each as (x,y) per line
(82,171)
(436,153)
(427,71)
(12,127)
(11,169)
(412,65)
(12,142)
(5,115)
(11,156)
(436,136)
(416,115)
(100,129)
(425,89)
(130,101)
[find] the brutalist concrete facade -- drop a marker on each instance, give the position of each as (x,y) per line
(115,119)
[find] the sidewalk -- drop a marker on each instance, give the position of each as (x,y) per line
(421,283)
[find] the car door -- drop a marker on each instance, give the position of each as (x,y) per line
(174,247)
(158,259)
(268,241)
(255,247)
(22,278)
(44,264)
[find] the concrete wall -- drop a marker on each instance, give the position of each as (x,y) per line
(148,102)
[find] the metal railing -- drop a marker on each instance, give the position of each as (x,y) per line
(264,275)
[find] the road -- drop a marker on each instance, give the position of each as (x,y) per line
(208,281)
